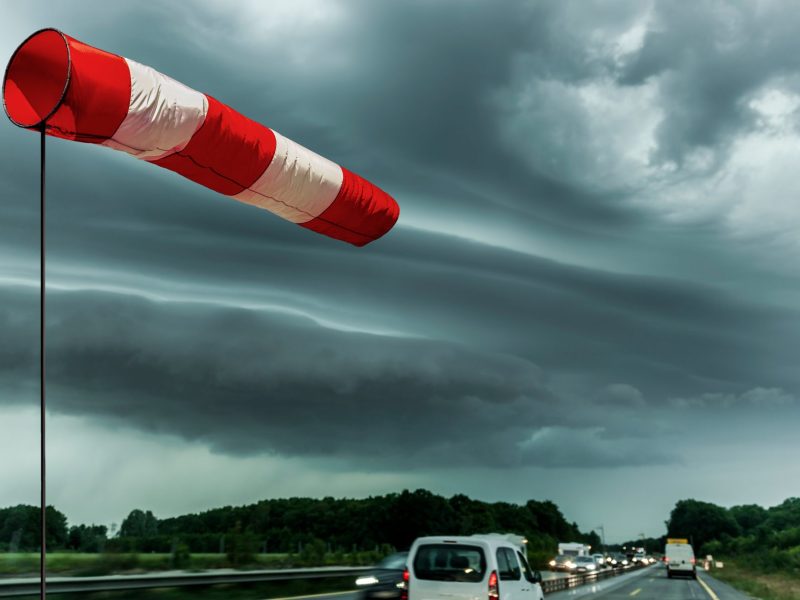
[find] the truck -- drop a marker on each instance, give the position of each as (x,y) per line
(574,549)
(518,540)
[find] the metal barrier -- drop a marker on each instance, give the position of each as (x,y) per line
(564,583)
(63,585)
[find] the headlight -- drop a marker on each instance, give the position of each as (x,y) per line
(368,580)
(570,564)
(552,563)
(591,567)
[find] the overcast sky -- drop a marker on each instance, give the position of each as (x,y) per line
(591,295)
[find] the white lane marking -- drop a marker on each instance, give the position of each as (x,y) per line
(707,589)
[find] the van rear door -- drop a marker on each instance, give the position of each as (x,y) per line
(448,571)
(680,558)
(510,574)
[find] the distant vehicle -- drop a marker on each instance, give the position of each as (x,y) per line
(563,563)
(469,567)
(518,540)
(600,561)
(585,564)
(386,580)
(640,558)
(679,557)
(619,560)
(574,549)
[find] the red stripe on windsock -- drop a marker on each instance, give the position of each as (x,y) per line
(97,98)
(227,154)
(360,213)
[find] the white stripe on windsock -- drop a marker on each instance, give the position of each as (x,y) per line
(298,184)
(163,115)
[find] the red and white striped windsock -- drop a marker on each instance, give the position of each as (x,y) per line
(88,95)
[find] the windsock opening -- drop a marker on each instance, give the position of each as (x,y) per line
(36,79)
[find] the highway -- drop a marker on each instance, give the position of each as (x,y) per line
(649,584)
(652,584)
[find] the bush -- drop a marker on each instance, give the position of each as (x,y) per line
(312,554)
(180,558)
(240,546)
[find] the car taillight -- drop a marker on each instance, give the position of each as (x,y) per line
(666,559)
(494,588)
(694,560)
(404,589)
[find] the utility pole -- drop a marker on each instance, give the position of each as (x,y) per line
(603,537)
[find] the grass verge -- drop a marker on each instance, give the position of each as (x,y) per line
(765,586)
(86,564)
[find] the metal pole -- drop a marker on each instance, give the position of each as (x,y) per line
(603,531)
(42,464)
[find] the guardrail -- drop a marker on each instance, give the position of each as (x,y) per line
(564,583)
(63,585)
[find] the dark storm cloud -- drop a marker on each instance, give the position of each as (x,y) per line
(658,334)
(665,337)
(247,382)
(710,57)
(405,93)
(409,101)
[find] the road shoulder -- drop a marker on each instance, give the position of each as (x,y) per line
(718,590)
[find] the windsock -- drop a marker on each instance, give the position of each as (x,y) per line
(84,94)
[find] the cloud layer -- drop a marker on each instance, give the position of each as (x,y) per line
(596,259)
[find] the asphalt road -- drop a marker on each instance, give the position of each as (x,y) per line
(653,584)
(648,584)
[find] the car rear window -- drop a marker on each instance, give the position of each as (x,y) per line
(450,562)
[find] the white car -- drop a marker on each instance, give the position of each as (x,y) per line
(600,561)
(585,564)
(680,560)
(478,567)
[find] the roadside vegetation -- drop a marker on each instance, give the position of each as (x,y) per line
(759,547)
(279,533)
(774,585)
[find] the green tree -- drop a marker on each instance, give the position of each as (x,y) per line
(139,524)
(749,516)
(701,522)
(20,528)
(240,546)
(87,538)
(313,553)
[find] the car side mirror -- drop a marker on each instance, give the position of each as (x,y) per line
(537,577)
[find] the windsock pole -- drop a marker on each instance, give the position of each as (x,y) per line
(42,456)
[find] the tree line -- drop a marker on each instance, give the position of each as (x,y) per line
(766,537)
(289,525)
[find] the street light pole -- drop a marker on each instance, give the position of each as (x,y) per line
(603,534)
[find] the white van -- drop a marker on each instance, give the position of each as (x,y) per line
(474,567)
(680,560)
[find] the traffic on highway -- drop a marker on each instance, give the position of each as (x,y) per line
(495,567)
(462,567)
